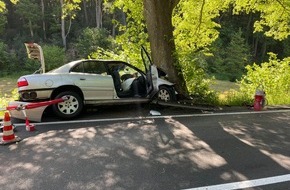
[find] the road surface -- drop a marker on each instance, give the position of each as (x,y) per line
(183,150)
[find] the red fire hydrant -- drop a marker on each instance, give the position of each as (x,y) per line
(260,100)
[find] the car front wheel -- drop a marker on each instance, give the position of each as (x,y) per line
(166,94)
(69,108)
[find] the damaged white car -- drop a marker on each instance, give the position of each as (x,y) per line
(96,82)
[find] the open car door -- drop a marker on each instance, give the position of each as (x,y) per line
(151,73)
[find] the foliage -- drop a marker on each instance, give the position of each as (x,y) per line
(194,23)
(7,61)
(70,7)
(133,33)
(54,56)
(5,98)
(230,57)
(196,80)
(91,39)
(27,9)
(274,16)
(101,53)
(273,77)
(2,6)
(3,22)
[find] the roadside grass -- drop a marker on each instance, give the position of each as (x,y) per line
(8,91)
(224,86)
(7,85)
(229,94)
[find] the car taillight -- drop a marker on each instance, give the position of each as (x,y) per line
(22,82)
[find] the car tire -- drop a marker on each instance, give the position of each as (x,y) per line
(69,108)
(166,94)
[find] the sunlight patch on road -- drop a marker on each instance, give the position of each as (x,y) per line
(193,148)
(280,159)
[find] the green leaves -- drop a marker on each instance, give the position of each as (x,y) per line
(70,7)
(194,23)
(273,76)
(133,33)
(2,6)
(274,16)
(91,39)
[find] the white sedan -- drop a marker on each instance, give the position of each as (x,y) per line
(96,82)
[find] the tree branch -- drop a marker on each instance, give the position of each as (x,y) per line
(200,16)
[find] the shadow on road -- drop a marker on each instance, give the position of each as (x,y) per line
(251,147)
(165,153)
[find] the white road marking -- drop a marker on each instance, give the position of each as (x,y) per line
(156,117)
(246,184)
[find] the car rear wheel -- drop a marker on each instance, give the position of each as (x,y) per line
(69,108)
(166,94)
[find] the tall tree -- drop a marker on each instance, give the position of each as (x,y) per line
(99,14)
(43,19)
(29,11)
(63,35)
(85,12)
(68,8)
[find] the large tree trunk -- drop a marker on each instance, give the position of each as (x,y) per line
(158,15)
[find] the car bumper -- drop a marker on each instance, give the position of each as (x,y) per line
(34,114)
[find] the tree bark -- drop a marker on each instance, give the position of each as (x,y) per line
(158,16)
(86,12)
(114,26)
(31,29)
(63,36)
(99,14)
(43,20)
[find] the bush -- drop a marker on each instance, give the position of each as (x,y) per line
(196,80)
(54,56)
(8,60)
(91,39)
(272,76)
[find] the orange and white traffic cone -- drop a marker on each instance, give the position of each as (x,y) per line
(8,133)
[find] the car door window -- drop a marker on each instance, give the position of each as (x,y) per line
(78,69)
(95,67)
(91,67)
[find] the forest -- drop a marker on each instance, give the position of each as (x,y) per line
(222,39)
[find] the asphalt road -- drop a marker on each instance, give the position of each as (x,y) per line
(117,148)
